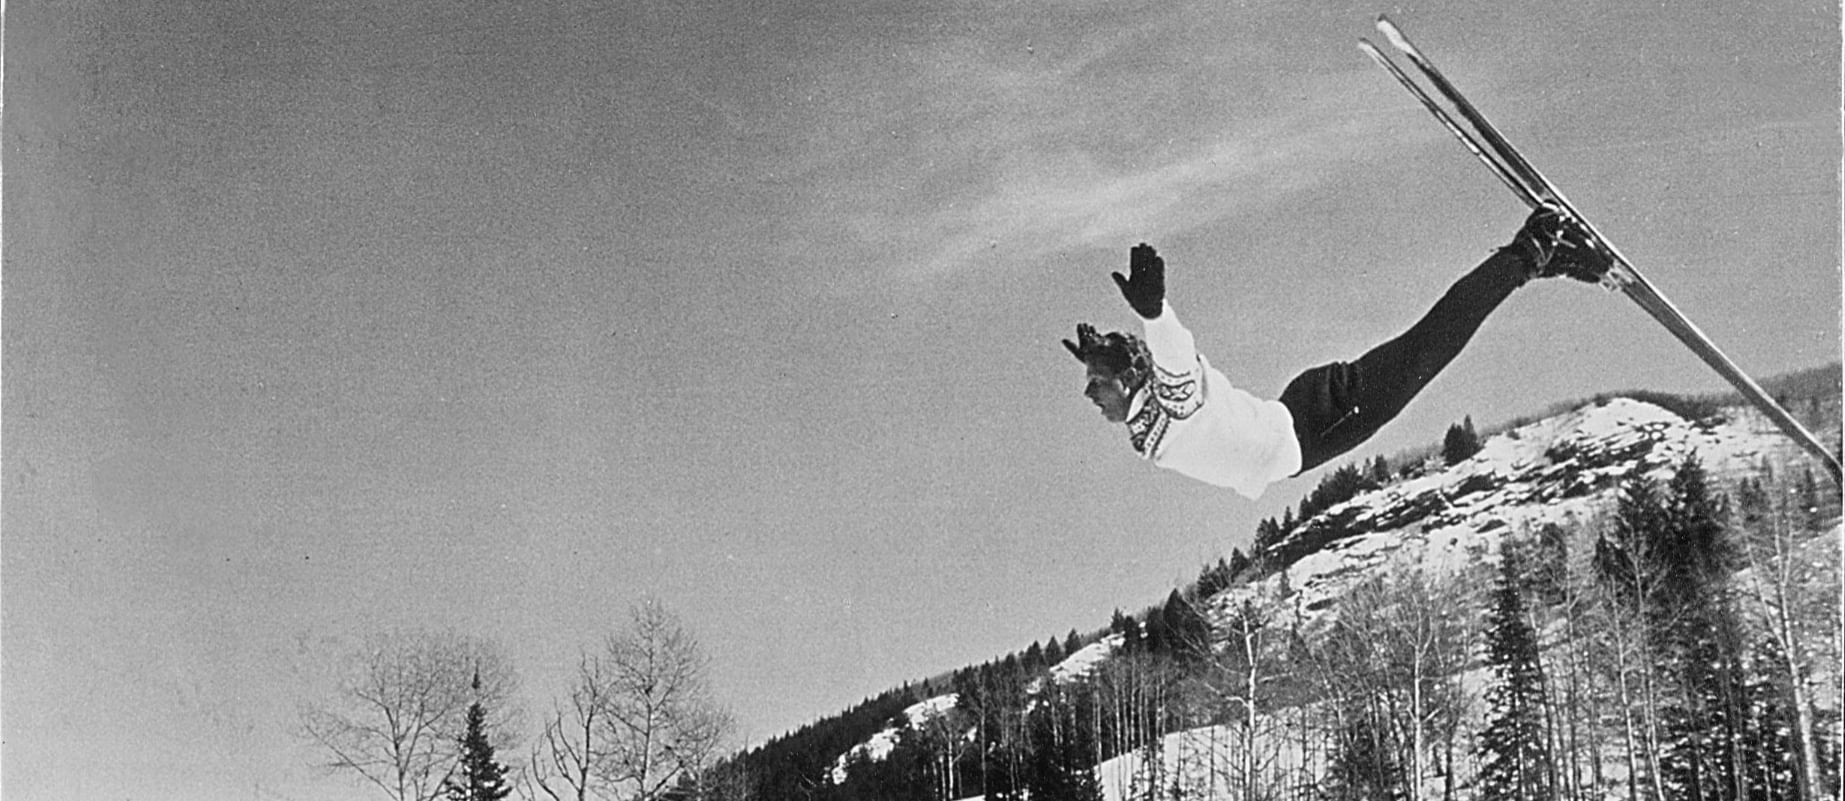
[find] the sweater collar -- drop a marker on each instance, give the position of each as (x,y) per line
(1145,422)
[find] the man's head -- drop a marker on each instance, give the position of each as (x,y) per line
(1118,367)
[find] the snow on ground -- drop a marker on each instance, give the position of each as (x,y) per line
(1203,762)
(881,744)
(1083,662)
(1075,666)
(1562,470)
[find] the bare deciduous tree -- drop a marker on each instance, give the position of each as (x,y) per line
(640,716)
(566,758)
(1238,677)
(1790,570)
(1407,634)
(396,712)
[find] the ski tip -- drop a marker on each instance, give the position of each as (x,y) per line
(1371,50)
(1393,33)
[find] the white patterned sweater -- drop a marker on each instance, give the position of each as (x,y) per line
(1188,418)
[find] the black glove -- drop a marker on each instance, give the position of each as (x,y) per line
(1088,343)
(1554,244)
(1145,285)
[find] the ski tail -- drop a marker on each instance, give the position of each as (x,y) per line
(1524,180)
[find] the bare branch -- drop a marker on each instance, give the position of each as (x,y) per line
(397,710)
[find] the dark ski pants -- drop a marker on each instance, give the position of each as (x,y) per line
(1338,406)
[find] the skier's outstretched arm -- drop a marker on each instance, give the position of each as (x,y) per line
(1144,288)
(1191,418)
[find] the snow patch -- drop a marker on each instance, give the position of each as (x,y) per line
(881,744)
(1083,662)
(1561,470)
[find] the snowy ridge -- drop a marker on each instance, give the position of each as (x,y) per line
(1084,660)
(1560,470)
(880,744)
(1564,470)
(1076,666)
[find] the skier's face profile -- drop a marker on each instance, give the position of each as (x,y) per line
(1105,389)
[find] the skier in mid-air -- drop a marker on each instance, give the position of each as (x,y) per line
(1184,415)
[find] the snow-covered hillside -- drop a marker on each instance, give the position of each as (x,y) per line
(1562,470)
(1565,470)
(880,744)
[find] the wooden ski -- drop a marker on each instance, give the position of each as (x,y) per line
(1506,162)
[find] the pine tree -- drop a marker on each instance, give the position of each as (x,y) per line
(1513,744)
(1132,641)
(1624,577)
(1061,761)
(1813,512)
(1159,637)
(1269,533)
(1461,442)
(1624,557)
(901,775)
(1769,743)
(479,777)
(1188,634)
(1337,487)
(1700,553)
(1239,561)
(1701,641)
(1364,765)
(1788,592)
(1679,537)
(1053,652)
(1213,579)
(1547,573)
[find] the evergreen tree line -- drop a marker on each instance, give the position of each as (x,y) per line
(1280,542)
(1671,651)
(1013,732)
(1674,649)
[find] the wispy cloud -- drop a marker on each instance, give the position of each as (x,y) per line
(965,146)
(1068,200)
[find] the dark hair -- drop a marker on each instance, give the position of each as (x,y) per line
(1122,354)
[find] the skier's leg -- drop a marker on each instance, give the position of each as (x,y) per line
(1337,406)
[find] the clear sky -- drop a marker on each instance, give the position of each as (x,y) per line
(323,318)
